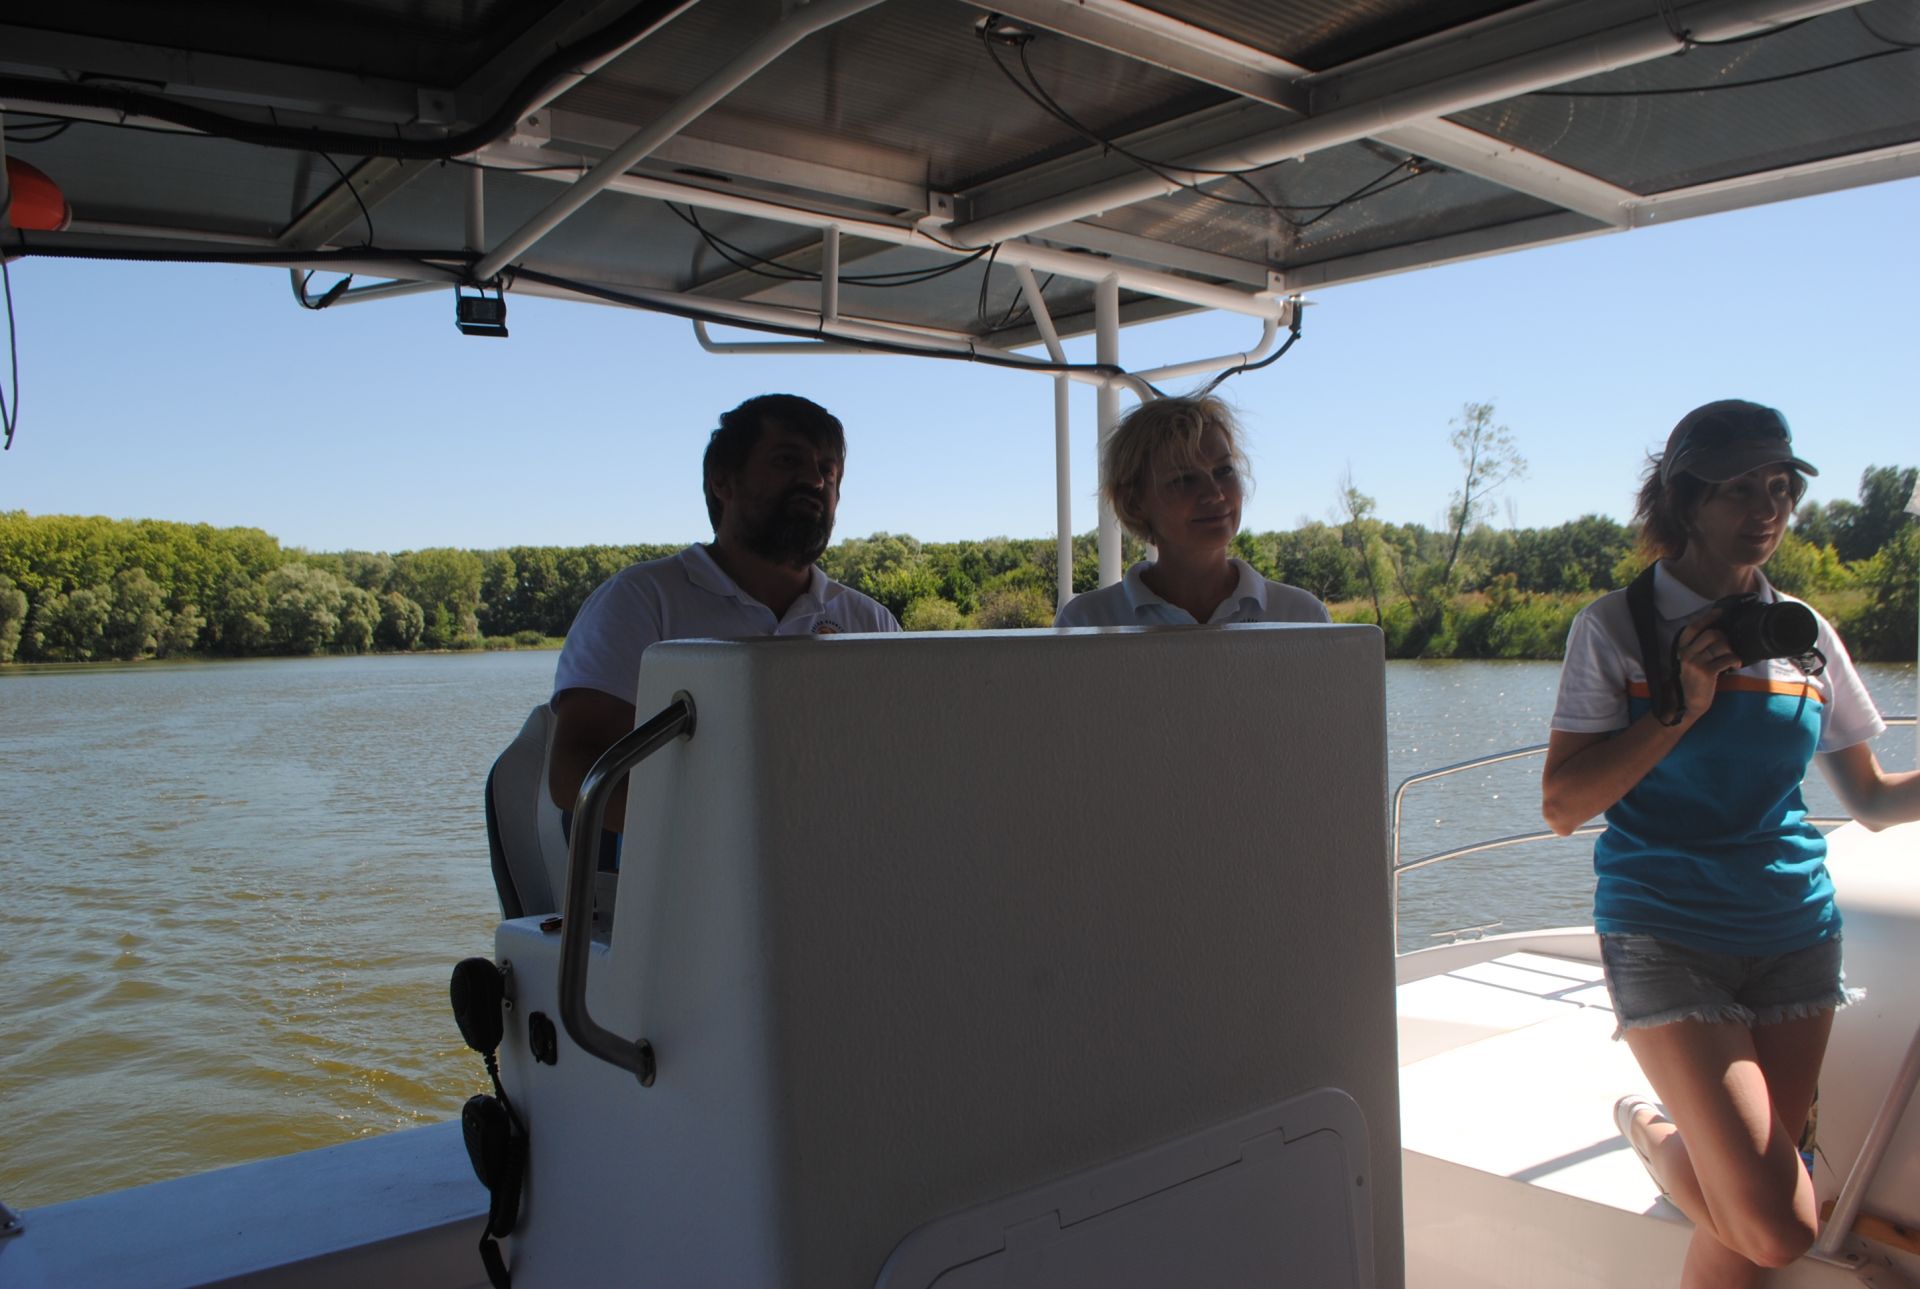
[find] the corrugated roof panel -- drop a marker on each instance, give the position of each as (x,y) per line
(926,85)
(1685,120)
(1319,34)
(1399,204)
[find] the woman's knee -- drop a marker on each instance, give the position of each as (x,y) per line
(1771,1242)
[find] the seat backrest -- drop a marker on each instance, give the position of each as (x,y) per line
(528,847)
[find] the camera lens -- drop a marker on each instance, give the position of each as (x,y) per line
(1759,631)
(1788,630)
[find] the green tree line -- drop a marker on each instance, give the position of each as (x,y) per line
(75,589)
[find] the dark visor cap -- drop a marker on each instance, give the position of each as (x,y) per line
(1724,440)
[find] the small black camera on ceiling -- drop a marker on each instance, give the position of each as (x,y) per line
(480,315)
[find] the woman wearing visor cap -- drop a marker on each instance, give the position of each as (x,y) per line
(1718,930)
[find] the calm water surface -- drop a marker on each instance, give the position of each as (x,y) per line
(235,890)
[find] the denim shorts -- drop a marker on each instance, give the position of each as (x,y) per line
(1657,982)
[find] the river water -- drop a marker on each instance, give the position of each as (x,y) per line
(234,890)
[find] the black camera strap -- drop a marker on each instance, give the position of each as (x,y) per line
(1663,666)
(1663,672)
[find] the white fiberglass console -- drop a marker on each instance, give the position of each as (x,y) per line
(1045,958)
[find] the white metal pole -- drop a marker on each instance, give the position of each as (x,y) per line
(1913,508)
(1062,490)
(1062,437)
(830,274)
(1106,327)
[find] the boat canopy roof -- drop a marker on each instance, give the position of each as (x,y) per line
(908,171)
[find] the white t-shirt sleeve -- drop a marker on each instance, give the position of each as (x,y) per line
(614,627)
(1851,716)
(1593,681)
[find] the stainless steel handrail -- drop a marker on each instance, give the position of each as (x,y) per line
(1498,758)
(1866,1165)
(1427,776)
(583,850)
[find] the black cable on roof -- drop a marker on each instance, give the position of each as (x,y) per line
(364,212)
(1293,334)
(10,404)
(1169,172)
(1879,35)
(448,261)
(761,266)
(630,26)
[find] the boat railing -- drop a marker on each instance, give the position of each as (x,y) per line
(1400,867)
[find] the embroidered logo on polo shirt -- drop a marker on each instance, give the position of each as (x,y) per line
(827,627)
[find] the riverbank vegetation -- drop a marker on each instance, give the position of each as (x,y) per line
(76,589)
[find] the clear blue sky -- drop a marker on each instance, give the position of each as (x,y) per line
(206,395)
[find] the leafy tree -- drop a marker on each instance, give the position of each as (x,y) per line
(359,620)
(1490,457)
(1859,530)
(1574,557)
(13,618)
(240,623)
(1798,567)
(441,632)
(402,622)
(499,578)
(1886,627)
(443,578)
(1360,534)
(136,616)
(532,604)
(931,613)
(1014,607)
(70,626)
(303,608)
(1314,558)
(181,634)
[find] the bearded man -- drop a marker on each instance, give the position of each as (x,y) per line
(772,479)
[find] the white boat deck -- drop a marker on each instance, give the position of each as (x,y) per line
(1514,1172)
(1531,1100)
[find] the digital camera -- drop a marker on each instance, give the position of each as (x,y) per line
(1758,630)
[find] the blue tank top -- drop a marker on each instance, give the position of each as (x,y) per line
(1712,849)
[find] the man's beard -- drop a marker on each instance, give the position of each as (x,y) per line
(783,537)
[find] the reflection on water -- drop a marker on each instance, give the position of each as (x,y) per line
(234,894)
(235,890)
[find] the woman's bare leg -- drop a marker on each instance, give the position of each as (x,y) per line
(1728,1160)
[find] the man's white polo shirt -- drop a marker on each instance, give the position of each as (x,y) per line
(688,596)
(1130,602)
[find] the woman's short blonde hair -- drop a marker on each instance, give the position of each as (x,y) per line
(1163,431)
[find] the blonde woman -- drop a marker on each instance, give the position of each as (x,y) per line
(1175,473)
